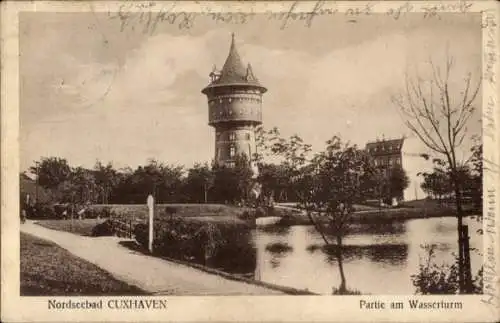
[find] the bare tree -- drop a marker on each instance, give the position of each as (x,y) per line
(438,116)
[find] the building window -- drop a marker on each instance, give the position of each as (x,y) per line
(398,161)
(247,136)
(390,162)
(376,162)
(232,152)
(232,136)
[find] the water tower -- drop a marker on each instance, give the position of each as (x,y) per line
(234,108)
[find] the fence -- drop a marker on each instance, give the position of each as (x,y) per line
(123,228)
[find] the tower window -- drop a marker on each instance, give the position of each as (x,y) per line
(232,152)
(232,136)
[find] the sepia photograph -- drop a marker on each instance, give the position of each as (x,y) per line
(250,154)
(249,161)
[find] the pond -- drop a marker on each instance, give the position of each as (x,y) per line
(378,258)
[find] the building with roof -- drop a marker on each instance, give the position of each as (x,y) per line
(234,97)
(387,155)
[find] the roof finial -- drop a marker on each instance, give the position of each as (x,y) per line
(232,41)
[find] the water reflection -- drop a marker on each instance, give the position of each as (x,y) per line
(276,229)
(278,248)
(378,258)
(235,260)
(386,253)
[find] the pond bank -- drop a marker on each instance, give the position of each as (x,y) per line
(371,216)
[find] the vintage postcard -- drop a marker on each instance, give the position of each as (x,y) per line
(250,161)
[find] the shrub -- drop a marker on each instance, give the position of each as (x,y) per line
(246,215)
(198,241)
(170,210)
(260,212)
(98,212)
(336,291)
(103,229)
(441,279)
(42,211)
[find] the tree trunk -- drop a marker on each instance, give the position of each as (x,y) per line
(342,287)
(461,256)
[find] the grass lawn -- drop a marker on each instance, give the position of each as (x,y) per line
(140,211)
(49,270)
(209,213)
(82,227)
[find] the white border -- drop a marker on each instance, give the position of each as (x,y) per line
(242,308)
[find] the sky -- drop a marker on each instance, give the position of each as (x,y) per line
(92,91)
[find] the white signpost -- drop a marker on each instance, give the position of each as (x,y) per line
(151,207)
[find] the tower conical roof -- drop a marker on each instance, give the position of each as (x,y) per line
(234,71)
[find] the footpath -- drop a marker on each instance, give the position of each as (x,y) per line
(153,275)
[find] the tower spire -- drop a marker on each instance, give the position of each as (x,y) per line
(234,71)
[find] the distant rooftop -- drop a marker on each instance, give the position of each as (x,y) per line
(385,146)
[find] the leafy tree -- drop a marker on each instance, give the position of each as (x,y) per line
(398,182)
(83,186)
(161,180)
(233,184)
(342,175)
(327,185)
(51,171)
(106,179)
(164,181)
(198,182)
(274,180)
(388,183)
(288,156)
(436,183)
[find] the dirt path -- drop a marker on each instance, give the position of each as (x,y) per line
(148,273)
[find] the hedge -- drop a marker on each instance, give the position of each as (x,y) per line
(226,246)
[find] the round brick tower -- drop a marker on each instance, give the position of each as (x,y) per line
(234,108)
